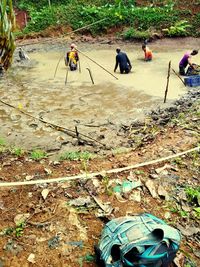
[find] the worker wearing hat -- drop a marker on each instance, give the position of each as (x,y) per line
(72,58)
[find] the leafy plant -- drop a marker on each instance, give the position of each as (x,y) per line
(193,194)
(17,151)
(108,188)
(7,25)
(76,156)
(17,231)
(197,212)
(180,28)
(38,154)
(131,33)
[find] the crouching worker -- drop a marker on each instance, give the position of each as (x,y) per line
(123,61)
(72,58)
(147,53)
(187,60)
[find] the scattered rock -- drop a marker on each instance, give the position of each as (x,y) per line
(48,171)
(160,170)
(182,195)
(56,163)
(154,176)
(151,187)
(45,193)
(29,177)
(7,163)
(188,230)
(80,201)
(162,192)
(135,196)
(31,258)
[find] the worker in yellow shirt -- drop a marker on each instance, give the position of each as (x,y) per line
(72,58)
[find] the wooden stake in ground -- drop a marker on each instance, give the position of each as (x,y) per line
(178,76)
(57,66)
(91,77)
(79,65)
(66,76)
(167,86)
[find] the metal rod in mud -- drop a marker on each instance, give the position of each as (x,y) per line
(57,66)
(90,75)
(179,76)
(66,76)
(96,63)
(167,86)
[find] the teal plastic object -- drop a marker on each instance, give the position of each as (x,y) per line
(137,241)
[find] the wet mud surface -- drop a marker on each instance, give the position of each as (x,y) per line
(98,111)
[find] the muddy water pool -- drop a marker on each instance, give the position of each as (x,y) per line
(32,87)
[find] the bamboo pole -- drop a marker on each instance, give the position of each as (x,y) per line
(66,75)
(93,175)
(167,86)
(57,66)
(178,76)
(79,65)
(96,63)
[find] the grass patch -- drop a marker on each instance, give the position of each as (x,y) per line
(38,154)
(193,195)
(17,151)
(76,156)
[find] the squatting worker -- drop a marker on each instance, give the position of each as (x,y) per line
(72,58)
(147,53)
(123,61)
(186,59)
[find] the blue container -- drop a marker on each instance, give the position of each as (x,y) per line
(192,81)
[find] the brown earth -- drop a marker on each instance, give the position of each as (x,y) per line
(62,235)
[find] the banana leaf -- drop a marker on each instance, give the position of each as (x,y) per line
(7,26)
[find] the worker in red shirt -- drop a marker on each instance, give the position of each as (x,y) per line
(147,53)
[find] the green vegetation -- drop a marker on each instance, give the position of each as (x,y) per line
(17,151)
(193,195)
(131,33)
(17,231)
(38,154)
(180,28)
(76,156)
(140,22)
(7,25)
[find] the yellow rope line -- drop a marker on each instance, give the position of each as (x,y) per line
(95,174)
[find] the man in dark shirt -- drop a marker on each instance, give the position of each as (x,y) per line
(123,61)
